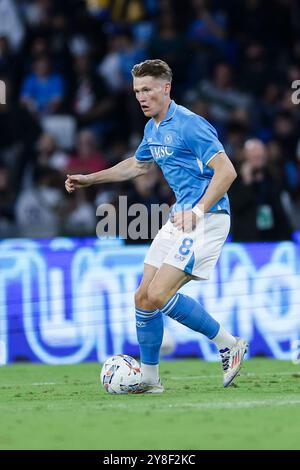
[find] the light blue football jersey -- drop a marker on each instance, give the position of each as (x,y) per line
(182,145)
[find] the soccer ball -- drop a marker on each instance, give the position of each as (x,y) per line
(120,374)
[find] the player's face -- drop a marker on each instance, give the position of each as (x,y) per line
(153,94)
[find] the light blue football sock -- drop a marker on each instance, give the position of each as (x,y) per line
(149,329)
(189,312)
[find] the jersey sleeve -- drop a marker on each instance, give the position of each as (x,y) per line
(143,153)
(201,138)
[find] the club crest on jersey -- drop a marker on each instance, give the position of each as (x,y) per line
(168,139)
(161,151)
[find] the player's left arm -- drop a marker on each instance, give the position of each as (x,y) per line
(202,140)
(224,175)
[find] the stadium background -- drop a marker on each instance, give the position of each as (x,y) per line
(65,296)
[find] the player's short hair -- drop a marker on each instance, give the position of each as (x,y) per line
(154,68)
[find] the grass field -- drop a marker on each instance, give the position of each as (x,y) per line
(63,407)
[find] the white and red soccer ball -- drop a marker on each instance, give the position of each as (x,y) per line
(120,374)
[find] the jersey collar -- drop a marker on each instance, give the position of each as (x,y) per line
(170,113)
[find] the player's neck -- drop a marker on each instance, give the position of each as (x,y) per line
(163,113)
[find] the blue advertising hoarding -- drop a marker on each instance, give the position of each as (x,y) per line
(65,301)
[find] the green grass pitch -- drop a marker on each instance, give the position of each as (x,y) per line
(64,407)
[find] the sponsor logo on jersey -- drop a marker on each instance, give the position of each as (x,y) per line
(161,151)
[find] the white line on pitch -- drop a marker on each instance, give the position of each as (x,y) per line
(208,405)
(220,405)
(44,383)
(238,404)
(245,374)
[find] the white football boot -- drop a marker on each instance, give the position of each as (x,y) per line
(232,360)
(150,388)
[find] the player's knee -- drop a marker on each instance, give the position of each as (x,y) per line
(140,298)
(156,296)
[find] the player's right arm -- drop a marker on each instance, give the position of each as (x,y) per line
(125,170)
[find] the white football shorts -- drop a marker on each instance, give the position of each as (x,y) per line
(195,252)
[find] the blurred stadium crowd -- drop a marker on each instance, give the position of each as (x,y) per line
(70,106)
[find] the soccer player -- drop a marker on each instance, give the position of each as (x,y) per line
(193,161)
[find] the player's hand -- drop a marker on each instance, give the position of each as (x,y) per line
(185,220)
(76,182)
